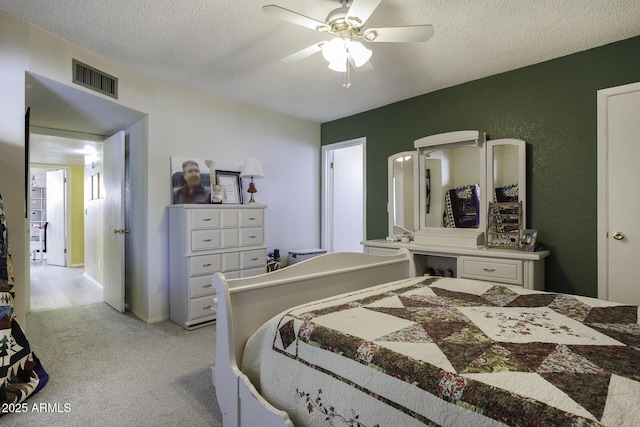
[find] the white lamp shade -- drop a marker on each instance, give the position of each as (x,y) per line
(335,51)
(252,169)
(359,53)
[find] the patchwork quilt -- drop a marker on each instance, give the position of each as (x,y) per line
(450,351)
(21,373)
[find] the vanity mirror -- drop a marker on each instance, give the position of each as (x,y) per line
(455,177)
(451,180)
(402,205)
(506,172)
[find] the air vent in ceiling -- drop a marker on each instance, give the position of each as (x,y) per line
(97,80)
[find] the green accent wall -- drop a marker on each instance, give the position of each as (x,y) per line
(553,107)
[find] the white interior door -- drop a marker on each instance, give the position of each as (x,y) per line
(344,196)
(56,241)
(114,227)
(618,204)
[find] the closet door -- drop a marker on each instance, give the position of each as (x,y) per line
(618,202)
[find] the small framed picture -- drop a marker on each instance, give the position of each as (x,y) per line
(528,240)
(231,186)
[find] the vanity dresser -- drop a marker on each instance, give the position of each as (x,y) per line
(439,199)
(205,239)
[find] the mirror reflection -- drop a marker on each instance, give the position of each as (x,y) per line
(452,192)
(402,171)
(506,173)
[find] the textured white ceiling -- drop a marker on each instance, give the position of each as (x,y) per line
(231,49)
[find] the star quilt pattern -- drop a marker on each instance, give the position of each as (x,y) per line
(511,355)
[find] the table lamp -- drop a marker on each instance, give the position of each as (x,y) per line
(252,169)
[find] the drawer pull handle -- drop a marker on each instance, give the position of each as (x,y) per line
(209,307)
(489,270)
(206,240)
(252,237)
(206,219)
(254,259)
(206,265)
(252,218)
(208,286)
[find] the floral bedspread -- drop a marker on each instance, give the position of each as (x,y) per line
(448,351)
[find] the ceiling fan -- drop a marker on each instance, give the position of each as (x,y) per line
(345,24)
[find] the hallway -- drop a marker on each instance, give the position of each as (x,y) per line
(57,287)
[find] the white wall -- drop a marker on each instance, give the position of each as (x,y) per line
(180,122)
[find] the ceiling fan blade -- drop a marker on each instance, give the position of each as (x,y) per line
(293,17)
(362,10)
(304,53)
(415,33)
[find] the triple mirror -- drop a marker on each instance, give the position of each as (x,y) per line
(455,176)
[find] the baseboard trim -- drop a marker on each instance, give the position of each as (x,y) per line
(92,280)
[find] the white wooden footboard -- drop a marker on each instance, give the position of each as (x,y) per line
(243,305)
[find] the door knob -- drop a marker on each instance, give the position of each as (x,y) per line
(618,235)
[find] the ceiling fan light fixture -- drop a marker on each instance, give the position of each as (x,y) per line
(335,50)
(339,66)
(359,53)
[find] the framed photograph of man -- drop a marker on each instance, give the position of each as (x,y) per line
(190,181)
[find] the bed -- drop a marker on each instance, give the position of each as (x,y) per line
(354,339)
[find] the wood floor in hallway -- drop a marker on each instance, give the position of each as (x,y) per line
(57,287)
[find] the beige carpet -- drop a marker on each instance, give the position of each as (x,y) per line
(107,368)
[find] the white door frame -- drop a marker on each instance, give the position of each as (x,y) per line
(603,185)
(327,188)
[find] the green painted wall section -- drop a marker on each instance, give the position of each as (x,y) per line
(553,107)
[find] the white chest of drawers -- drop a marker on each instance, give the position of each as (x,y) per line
(203,240)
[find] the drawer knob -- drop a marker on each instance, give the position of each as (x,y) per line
(489,270)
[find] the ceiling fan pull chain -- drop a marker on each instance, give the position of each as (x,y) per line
(347,77)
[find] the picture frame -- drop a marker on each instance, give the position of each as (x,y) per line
(231,185)
(178,183)
(528,240)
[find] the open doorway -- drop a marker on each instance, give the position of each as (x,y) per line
(64,121)
(57,221)
(343,195)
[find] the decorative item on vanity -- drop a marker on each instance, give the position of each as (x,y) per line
(252,169)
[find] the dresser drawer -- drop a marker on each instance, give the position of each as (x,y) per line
(230,238)
(251,218)
(492,269)
(202,240)
(229,218)
(200,286)
(201,307)
(257,258)
(204,264)
(251,236)
(204,218)
(230,261)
